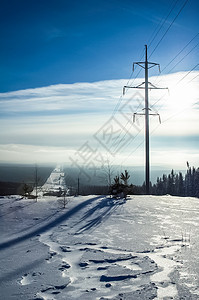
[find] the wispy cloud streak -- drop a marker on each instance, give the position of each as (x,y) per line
(64,116)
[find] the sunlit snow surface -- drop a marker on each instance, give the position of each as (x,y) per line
(55,182)
(99,248)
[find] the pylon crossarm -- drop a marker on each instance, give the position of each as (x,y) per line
(159,88)
(126,87)
(151,84)
(153,87)
(133,87)
(156,114)
(137,114)
(138,87)
(153,65)
(142,64)
(153,114)
(146,65)
(139,63)
(140,84)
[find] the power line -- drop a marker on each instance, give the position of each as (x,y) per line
(177,56)
(120,98)
(193,79)
(126,133)
(168,118)
(172,8)
(177,113)
(177,84)
(146,65)
(186,84)
(180,52)
(169,27)
(131,140)
(141,56)
(187,73)
(184,57)
(142,142)
(164,36)
(133,151)
(177,63)
(160,26)
(116,106)
(197,102)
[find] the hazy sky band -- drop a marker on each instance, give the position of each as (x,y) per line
(62,118)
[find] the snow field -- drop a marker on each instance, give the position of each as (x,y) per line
(98,248)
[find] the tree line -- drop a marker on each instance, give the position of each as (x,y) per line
(176,184)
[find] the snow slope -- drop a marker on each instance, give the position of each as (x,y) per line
(99,248)
(55,182)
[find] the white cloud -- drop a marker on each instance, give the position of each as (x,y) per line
(60,118)
(77,97)
(16,153)
(174,158)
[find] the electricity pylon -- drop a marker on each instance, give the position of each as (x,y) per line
(146,85)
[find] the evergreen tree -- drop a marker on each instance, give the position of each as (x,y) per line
(159,186)
(196,183)
(176,184)
(188,183)
(171,183)
(193,187)
(124,177)
(120,189)
(181,189)
(164,184)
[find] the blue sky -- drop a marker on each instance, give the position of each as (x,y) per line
(52,42)
(63,65)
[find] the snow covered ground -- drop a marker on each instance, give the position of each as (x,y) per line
(55,183)
(99,248)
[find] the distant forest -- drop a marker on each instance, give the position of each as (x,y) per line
(175,183)
(14,177)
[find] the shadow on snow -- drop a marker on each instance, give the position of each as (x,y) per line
(50,225)
(103,210)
